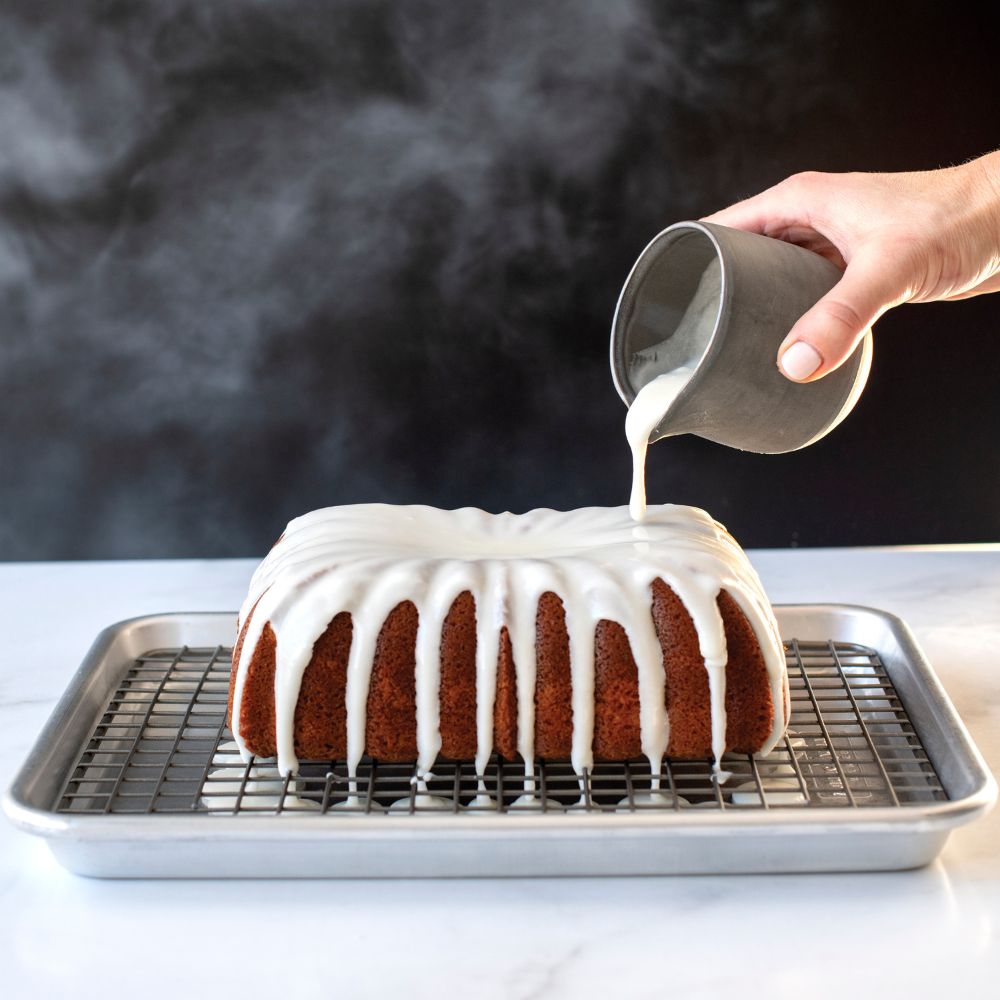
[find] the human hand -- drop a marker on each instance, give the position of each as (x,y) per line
(926,236)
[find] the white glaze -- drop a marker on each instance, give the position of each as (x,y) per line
(653,799)
(680,353)
(423,804)
(534,802)
(779,781)
(367,558)
(778,791)
(261,789)
(648,408)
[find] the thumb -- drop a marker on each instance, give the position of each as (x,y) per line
(824,338)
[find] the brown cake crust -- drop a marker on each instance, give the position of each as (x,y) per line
(616,695)
(505,703)
(390,730)
(257,707)
(458,680)
(553,681)
(688,706)
(321,711)
(749,709)
(391,718)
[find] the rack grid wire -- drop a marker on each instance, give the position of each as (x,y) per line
(162,746)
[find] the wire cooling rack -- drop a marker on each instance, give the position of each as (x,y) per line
(162,746)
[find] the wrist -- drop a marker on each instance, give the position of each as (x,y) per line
(986,188)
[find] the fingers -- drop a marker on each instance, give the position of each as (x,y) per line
(779,210)
(880,273)
(754,215)
(824,338)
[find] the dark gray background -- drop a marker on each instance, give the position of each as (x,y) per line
(258,258)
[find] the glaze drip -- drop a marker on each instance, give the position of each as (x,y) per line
(649,407)
(367,558)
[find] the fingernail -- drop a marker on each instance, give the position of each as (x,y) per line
(800,361)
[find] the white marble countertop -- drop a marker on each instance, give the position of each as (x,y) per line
(910,933)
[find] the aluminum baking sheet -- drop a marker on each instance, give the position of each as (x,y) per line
(134,776)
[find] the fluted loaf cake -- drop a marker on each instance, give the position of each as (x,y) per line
(406,633)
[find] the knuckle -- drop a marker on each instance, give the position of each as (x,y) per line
(844,316)
(806,181)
